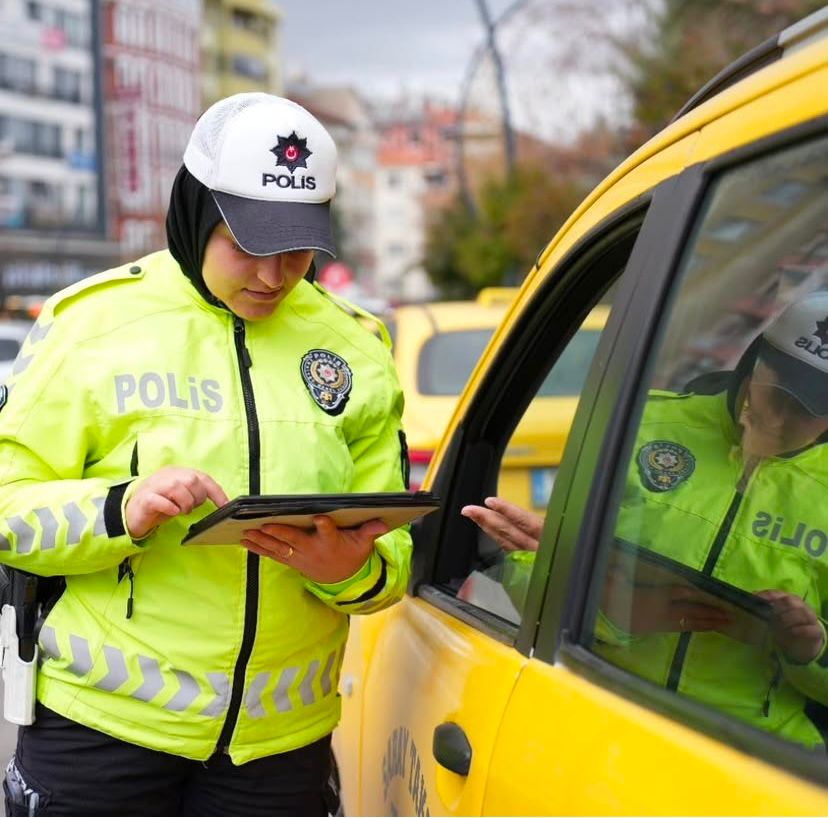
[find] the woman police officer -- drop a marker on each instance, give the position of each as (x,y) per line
(182,680)
(728,478)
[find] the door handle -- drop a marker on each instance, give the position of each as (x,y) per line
(451,748)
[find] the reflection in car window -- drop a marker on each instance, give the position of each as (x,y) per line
(714,582)
(448,358)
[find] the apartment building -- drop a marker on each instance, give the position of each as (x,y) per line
(240,48)
(152,96)
(52,224)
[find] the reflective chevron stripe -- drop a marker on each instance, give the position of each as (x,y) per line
(306,687)
(23,532)
(325,681)
(253,699)
(77,522)
(152,679)
(36,334)
(280,693)
(48,525)
(291,688)
(21,363)
(220,682)
(153,682)
(117,670)
(256,693)
(100,525)
(188,691)
(81,658)
(48,643)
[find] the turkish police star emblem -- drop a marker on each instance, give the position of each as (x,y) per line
(663,465)
(291,151)
(328,379)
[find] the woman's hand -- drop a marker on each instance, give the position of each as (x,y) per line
(796,629)
(510,526)
(166,494)
(327,555)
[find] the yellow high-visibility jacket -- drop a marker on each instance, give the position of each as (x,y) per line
(186,649)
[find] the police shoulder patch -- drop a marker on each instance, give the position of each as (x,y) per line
(663,465)
(328,378)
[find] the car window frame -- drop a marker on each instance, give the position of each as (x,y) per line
(606,449)
(434,535)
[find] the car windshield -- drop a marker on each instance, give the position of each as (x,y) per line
(448,358)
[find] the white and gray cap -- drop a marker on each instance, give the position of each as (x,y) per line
(271,167)
(795,346)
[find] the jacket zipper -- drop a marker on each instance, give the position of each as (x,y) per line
(125,568)
(251,607)
(677,665)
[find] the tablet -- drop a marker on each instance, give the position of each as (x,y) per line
(226,525)
(750,615)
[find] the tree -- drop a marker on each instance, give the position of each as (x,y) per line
(516,216)
(689,41)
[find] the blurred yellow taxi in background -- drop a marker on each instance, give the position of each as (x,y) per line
(436,348)
(530,462)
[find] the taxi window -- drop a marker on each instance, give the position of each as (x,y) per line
(712,582)
(511,520)
(448,358)
(569,374)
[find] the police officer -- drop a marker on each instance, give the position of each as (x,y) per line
(200,680)
(729,479)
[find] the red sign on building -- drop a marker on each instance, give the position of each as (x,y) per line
(152,98)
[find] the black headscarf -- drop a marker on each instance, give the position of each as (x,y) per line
(191,217)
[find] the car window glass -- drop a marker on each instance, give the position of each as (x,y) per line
(713,580)
(503,565)
(448,358)
(569,373)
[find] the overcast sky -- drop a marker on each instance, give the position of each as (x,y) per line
(383,46)
(426,47)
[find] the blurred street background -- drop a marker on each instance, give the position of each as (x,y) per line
(468,130)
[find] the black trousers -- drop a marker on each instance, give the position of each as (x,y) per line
(63,768)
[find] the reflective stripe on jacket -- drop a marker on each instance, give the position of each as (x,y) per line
(127,372)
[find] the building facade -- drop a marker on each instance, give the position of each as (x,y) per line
(416,178)
(240,48)
(52,216)
(152,97)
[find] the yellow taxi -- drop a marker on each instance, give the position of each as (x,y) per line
(699,241)
(436,346)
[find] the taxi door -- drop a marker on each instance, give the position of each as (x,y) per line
(485,690)
(431,677)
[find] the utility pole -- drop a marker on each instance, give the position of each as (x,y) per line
(490,47)
(500,74)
